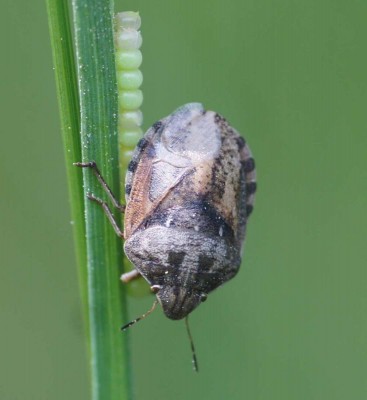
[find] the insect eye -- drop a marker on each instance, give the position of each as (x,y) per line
(203,297)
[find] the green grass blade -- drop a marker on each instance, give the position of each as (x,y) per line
(67,92)
(98,101)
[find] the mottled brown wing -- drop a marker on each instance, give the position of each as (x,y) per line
(173,148)
(148,189)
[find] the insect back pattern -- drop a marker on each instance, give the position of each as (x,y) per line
(189,192)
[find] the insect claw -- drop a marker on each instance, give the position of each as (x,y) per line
(90,164)
(92,196)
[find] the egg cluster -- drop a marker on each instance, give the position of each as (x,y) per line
(128,57)
(128,41)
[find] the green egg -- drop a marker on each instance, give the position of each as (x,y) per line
(125,157)
(128,59)
(130,117)
(129,79)
(130,137)
(130,99)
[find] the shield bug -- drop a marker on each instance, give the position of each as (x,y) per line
(190,189)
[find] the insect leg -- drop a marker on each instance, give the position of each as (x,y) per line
(108,213)
(103,183)
(130,276)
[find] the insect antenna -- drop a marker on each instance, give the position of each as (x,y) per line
(133,322)
(195,364)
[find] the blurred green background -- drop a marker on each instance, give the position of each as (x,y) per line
(291,76)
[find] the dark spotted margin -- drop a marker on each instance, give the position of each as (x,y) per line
(249,171)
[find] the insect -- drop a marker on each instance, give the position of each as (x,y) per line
(190,189)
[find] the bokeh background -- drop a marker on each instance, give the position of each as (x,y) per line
(291,76)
